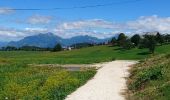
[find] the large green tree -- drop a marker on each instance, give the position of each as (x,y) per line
(150,42)
(135,39)
(159,38)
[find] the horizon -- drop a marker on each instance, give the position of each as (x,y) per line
(101,19)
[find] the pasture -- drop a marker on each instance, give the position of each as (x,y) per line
(88,55)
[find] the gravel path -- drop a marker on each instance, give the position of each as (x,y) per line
(107,84)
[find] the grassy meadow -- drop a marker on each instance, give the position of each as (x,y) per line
(80,56)
(20,81)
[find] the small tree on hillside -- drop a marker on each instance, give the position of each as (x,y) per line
(58,47)
(135,39)
(159,38)
(150,42)
(121,39)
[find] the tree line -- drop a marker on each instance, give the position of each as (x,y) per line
(147,40)
(57,47)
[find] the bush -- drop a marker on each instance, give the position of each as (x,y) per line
(145,76)
(58,47)
(128,45)
(150,79)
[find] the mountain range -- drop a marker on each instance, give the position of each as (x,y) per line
(3,44)
(50,40)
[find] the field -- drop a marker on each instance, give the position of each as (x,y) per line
(150,80)
(81,56)
(20,81)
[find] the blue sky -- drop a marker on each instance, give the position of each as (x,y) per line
(135,16)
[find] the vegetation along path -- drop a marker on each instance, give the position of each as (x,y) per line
(108,84)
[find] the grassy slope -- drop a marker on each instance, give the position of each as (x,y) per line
(150,80)
(81,56)
(19,81)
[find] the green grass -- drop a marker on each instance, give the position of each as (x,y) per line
(81,56)
(150,80)
(19,81)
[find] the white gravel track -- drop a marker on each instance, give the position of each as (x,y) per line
(108,83)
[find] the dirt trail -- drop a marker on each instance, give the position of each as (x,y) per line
(107,84)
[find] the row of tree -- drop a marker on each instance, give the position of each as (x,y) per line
(145,41)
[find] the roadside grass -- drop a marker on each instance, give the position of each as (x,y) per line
(150,79)
(22,82)
(80,56)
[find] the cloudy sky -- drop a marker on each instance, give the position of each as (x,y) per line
(82,17)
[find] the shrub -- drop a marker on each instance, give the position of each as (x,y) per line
(58,47)
(128,45)
(145,76)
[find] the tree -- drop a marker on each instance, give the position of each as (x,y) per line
(113,41)
(143,43)
(167,38)
(135,39)
(121,36)
(121,39)
(128,44)
(159,38)
(150,42)
(58,47)
(10,48)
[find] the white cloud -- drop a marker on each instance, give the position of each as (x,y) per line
(94,23)
(8,34)
(102,28)
(94,27)
(39,19)
(36,30)
(69,34)
(150,23)
(6,10)
(142,24)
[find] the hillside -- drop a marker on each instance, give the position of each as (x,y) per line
(150,79)
(79,56)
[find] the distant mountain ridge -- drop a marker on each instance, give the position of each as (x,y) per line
(3,44)
(50,40)
(40,40)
